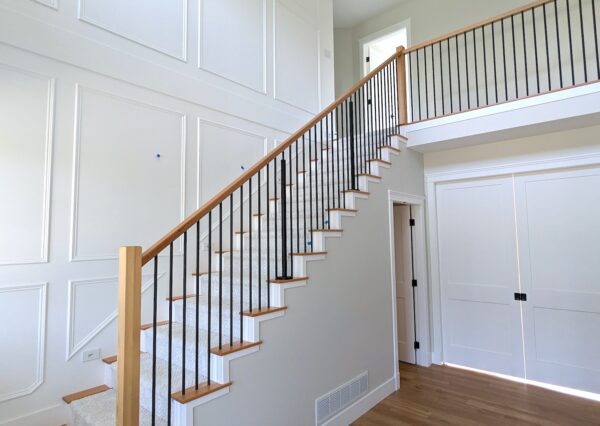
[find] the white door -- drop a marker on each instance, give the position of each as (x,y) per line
(479,276)
(558,217)
(404,290)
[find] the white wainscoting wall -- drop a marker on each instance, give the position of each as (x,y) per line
(118,119)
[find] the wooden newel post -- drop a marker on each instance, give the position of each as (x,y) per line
(128,351)
(401,75)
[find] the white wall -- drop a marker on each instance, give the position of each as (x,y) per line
(572,148)
(337,327)
(91,93)
(428,19)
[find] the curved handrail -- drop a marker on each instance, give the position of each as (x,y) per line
(192,219)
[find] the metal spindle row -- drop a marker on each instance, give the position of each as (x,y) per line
(256,232)
(530,52)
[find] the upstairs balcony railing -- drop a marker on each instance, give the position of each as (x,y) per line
(540,48)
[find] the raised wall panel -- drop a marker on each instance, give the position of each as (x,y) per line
(92,307)
(224,154)
(159,25)
(23,315)
(296,59)
(236,51)
(26,116)
(128,174)
(50,3)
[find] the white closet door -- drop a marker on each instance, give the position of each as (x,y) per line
(479,276)
(558,217)
(404,290)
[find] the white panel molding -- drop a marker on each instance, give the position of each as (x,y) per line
(53,4)
(74,347)
(182,56)
(318,70)
(201,60)
(204,122)
(44,243)
(79,89)
(41,338)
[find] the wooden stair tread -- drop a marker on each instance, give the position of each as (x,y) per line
(85,393)
(110,359)
(356,191)
(288,281)
(343,210)
(158,324)
(263,311)
(204,389)
(308,253)
(236,347)
(176,298)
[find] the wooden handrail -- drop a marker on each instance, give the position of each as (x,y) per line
(479,24)
(191,220)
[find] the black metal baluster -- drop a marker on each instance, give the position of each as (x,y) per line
(339,148)
(467,71)
(241,260)
(558,44)
(268,240)
(310,190)
(259,231)
(329,155)
(410,78)
(426,81)
(304,175)
(458,72)
(433,82)
(476,71)
(154,321)
(570,43)
(495,66)
(316,164)
(546,42)
(197,353)
(184,312)
(209,319)
(504,63)
(275,202)
(170,349)
(525,54)
(230,269)
(418,85)
(291,218)
(250,305)
(221,253)
(535,50)
(352,158)
(596,38)
(284,270)
(297,202)
(322,177)
(485,73)
(512,23)
(585,73)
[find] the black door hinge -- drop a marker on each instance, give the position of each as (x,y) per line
(414,283)
(368,59)
(417,345)
(411,222)
(521,297)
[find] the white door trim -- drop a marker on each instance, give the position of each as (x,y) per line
(422,294)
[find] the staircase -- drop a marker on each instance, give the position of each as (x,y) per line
(241,252)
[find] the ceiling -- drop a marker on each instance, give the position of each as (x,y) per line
(348,13)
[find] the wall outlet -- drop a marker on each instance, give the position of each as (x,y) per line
(90,355)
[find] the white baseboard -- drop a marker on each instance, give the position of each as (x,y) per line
(364,404)
(54,415)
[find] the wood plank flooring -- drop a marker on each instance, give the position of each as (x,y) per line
(442,395)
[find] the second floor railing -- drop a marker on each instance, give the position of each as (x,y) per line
(539,48)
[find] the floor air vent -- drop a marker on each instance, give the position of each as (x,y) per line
(335,401)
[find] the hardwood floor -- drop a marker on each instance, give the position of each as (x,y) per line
(442,395)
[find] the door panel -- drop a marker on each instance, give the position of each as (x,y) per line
(404,296)
(479,276)
(558,217)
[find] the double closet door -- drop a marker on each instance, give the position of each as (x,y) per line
(520,275)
